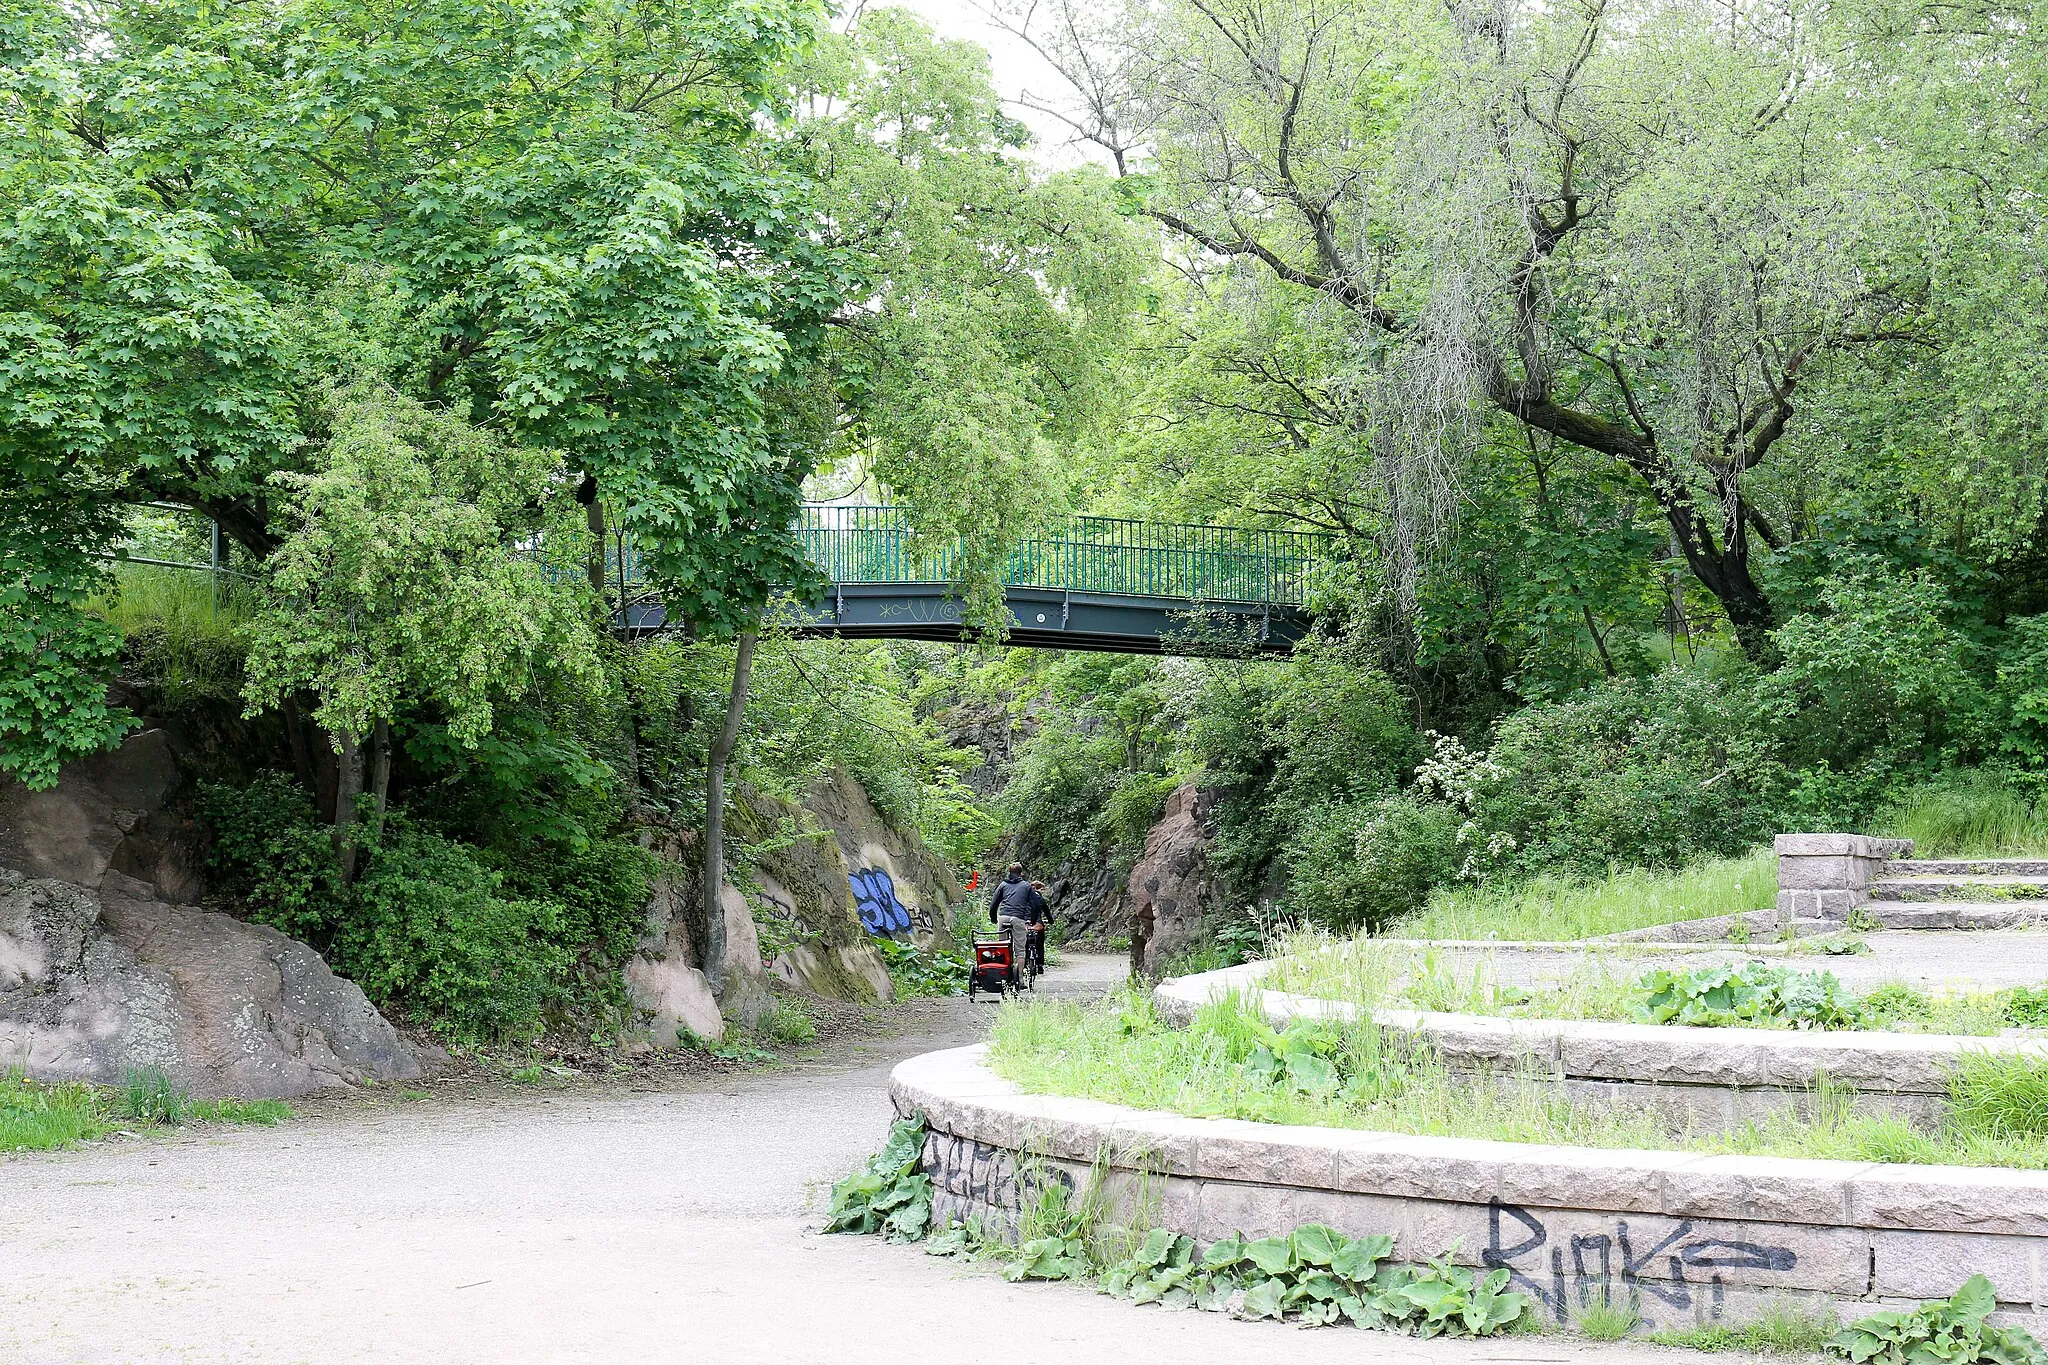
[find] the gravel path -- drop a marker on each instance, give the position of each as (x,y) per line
(572,1226)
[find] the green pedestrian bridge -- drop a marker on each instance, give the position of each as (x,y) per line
(1097,583)
(1092,583)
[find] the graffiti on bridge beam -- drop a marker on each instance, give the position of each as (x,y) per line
(1667,1264)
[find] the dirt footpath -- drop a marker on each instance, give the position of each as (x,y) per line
(581,1224)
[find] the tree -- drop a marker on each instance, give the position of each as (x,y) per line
(1647,232)
(393,586)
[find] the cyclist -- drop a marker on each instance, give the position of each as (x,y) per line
(1014,908)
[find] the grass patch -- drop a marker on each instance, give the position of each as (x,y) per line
(42,1118)
(789,1023)
(1785,1329)
(1613,983)
(1968,816)
(1229,1063)
(36,1116)
(1606,1320)
(1557,908)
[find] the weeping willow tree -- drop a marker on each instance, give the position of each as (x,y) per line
(1669,235)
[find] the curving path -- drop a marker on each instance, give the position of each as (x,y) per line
(579,1225)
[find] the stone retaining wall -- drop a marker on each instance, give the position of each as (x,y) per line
(1690,1239)
(1709,1079)
(1825,876)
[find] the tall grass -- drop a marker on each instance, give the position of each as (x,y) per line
(1552,908)
(183,634)
(1119,1051)
(1968,815)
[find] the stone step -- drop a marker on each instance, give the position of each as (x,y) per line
(1967,867)
(1948,914)
(1988,888)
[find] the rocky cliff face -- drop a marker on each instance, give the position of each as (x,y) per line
(96,981)
(810,917)
(1169,889)
(105,965)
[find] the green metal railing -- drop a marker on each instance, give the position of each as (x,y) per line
(864,544)
(870,544)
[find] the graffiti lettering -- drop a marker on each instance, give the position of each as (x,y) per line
(874,896)
(1609,1268)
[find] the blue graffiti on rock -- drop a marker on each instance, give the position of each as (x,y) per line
(874,896)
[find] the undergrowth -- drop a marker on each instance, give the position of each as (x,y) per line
(1315,1276)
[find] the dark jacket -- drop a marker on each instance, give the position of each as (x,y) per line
(1019,898)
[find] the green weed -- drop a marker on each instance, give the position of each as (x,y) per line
(1606,1320)
(1784,1329)
(1229,1063)
(1969,816)
(41,1118)
(148,1095)
(789,1023)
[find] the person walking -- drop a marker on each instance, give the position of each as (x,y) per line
(1014,908)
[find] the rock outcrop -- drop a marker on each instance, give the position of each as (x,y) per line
(95,981)
(109,812)
(1169,886)
(665,978)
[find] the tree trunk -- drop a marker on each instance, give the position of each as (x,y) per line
(347,787)
(714,814)
(295,736)
(594,518)
(380,777)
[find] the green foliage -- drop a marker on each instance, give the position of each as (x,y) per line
(395,583)
(37,1117)
(2000,1097)
(788,1024)
(1966,814)
(272,857)
(1568,907)
(2027,1007)
(1783,1329)
(1891,1004)
(432,928)
(1658,773)
(1718,997)
(481,944)
(1365,864)
(1951,1331)
(920,972)
(890,1195)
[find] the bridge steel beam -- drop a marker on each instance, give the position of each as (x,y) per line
(1056,618)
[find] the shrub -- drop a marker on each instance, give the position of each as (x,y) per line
(1876,679)
(1659,773)
(432,928)
(1365,863)
(890,1195)
(272,856)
